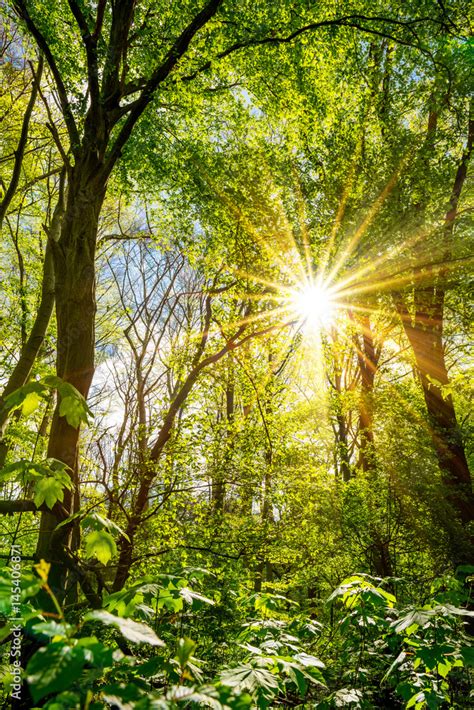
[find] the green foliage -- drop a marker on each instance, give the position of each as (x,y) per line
(430,645)
(55,668)
(131,630)
(49,478)
(291,144)
(100,544)
(390,654)
(72,404)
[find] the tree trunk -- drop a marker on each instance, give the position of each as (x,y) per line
(74,268)
(425,334)
(218,480)
(424,330)
(368,358)
(341,430)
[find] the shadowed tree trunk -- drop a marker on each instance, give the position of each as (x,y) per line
(424,330)
(219,478)
(341,429)
(368,356)
(73,256)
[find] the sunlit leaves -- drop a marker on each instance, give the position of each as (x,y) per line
(72,404)
(353,588)
(134,631)
(49,478)
(27,398)
(101,545)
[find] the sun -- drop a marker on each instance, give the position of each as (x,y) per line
(313,304)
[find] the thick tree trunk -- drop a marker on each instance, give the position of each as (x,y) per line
(74,268)
(425,334)
(424,330)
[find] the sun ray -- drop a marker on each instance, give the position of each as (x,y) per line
(367,221)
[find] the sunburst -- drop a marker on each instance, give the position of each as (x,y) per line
(314,303)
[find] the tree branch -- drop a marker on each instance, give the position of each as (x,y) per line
(178,49)
(344,21)
(20,7)
(20,151)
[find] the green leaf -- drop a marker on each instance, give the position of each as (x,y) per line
(72,409)
(346,696)
(73,406)
(48,490)
(51,628)
(54,668)
(398,661)
(97,522)
(17,398)
(134,631)
(186,648)
(246,677)
(414,618)
(310,661)
(415,700)
(101,545)
(102,656)
(189,596)
(170,598)
(30,403)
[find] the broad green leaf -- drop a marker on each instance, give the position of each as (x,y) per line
(190,596)
(54,668)
(74,411)
(345,697)
(246,677)
(101,545)
(48,490)
(310,661)
(16,399)
(52,628)
(30,403)
(185,650)
(132,630)
(98,522)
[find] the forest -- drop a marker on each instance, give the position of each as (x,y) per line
(236,354)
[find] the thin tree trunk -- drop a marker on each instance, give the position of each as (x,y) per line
(147,478)
(33,344)
(341,431)
(20,150)
(218,481)
(368,357)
